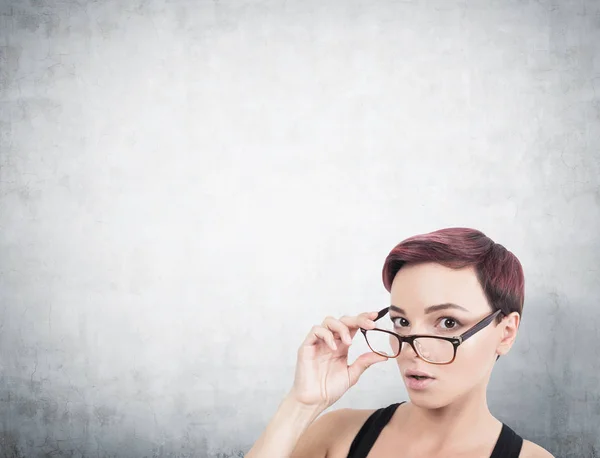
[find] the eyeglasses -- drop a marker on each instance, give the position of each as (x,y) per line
(432,349)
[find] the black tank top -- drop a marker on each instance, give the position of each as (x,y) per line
(508,444)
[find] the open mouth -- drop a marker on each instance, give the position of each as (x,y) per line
(416,382)
(418,377)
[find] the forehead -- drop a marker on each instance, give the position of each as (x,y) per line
(420,285)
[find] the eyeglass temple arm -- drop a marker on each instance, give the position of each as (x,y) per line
(482,324)
(382,313)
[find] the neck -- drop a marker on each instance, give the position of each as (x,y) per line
(465,421)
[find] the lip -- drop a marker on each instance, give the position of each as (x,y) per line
(410,372)
(417,385)
(414,384)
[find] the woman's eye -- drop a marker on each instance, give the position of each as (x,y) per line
(402,322)
(449,323)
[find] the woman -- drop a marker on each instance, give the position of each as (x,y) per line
(456,302)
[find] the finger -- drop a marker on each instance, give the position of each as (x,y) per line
(336,326)
(362,363)
(318,333)
(369,315)
(356,322)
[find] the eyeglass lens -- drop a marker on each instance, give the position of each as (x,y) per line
(428,348)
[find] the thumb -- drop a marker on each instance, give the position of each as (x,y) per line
(362,363)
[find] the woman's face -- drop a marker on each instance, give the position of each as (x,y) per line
(414,290)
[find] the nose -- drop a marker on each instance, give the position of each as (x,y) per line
(407,351)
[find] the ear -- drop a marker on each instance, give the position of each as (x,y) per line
(509,327)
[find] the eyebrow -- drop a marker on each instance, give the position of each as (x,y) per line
(432,308)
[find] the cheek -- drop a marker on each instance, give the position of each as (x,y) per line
(474,357)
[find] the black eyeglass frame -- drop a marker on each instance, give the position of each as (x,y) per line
(455,341)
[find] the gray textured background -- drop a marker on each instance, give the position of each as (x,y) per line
(187,186)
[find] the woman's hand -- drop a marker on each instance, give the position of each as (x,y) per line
(322,371)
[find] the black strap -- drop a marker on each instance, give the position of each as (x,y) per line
(508,445)
(368,434)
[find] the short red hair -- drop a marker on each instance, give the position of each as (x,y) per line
(499,271)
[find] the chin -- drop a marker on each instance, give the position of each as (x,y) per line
(427,400)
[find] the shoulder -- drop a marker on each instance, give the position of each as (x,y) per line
(532,450)
(334,432)
(346,422)
(349,418)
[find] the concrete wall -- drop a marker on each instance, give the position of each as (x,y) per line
(187,186)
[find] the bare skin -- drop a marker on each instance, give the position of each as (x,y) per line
(448,418)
